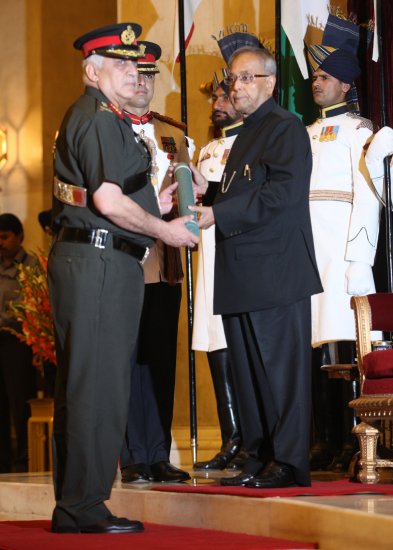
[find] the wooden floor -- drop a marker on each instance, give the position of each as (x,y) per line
(336,523)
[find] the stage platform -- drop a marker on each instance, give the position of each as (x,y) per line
(356,522)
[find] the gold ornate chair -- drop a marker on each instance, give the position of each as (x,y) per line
(375,404)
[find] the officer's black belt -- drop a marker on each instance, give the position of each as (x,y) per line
(100,238)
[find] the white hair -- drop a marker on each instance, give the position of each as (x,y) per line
(95,59)
(264,55)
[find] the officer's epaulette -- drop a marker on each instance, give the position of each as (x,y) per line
(104,107)
(109,107)
(169,120)
(363,122)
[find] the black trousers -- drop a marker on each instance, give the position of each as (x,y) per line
(17,385)
(148,436)
(97,298)
(271,366)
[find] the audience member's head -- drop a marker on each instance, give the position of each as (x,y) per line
(11,237)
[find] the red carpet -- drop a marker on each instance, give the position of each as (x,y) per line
(36,535)
(318,488)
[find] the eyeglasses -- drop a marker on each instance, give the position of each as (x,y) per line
(244,78)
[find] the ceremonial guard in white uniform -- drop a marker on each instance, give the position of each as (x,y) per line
(345,218)
(146,450)
(345,221)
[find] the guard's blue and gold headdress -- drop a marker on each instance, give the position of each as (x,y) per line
(338,54)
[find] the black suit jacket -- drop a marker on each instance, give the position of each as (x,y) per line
(264,245)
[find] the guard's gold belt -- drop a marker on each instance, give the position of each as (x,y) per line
(69,194)
(327,195)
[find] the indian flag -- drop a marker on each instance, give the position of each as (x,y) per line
(302,22)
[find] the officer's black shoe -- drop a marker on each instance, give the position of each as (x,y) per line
(136,473)
(111,524)
(165,471)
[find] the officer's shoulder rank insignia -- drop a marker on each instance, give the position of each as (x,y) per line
(329,133)
(104,107)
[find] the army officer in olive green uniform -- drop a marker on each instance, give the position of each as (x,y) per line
(108,216)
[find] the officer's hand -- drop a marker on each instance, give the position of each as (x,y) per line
(177,234)
(359,278)
(205,216)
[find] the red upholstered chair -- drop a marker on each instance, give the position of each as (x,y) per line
(372,312)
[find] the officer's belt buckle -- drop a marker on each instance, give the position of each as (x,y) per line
(69,194)
(99,238)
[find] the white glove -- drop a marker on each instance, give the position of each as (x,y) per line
(380,147)
(359,278)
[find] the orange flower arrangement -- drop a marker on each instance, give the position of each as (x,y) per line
(34,313)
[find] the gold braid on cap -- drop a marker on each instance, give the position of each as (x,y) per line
(126,53)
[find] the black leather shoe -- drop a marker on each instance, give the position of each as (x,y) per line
(240,480)
(219,462)
(165,471)
(113,525)
(136,473)
(273,476)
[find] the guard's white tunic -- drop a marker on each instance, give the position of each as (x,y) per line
(208,331)
(344,216)
(171,146)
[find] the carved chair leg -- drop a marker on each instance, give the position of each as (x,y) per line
(367,437)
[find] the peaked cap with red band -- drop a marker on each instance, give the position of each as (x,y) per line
(148,64)
(112,41)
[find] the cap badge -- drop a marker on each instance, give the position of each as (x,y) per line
(128,36)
